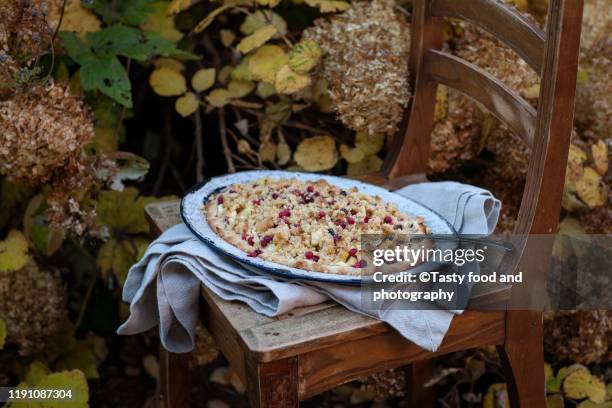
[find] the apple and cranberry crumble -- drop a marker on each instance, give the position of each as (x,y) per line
(311,225)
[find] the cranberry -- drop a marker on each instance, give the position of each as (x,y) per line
(316,194)
(266,240)
(340,223)
(257,201)
(310,189)
(359,264)
(284,213)
(316,258)
(353,252)
(388,220)
(244,236)
(321,214)
(309,255)
(251,241)
(353,211)
(275,195)
(337,237)
(220,200)
(255,253)
(366,219)
(350,220)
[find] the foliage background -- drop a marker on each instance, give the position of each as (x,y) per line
(107,105)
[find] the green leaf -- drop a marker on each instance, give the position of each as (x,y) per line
(39,376)
(106,74)
(129,42)
(131,12)
(13,252)
(117,256)
(77,49)
(123,211)
(45,239)
(162,23)
(2,333)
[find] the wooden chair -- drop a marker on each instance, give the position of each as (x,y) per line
(293,357)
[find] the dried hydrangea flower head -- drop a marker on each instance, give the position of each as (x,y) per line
(366,50)
(32,303)
(42,131)
(24,34)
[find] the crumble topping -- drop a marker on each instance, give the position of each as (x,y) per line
(311,225)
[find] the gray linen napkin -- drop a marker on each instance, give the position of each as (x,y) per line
(163,288)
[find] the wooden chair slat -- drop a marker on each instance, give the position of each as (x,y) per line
(507,105)
(322,369)
(502,21)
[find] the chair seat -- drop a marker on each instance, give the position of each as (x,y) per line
(329,339)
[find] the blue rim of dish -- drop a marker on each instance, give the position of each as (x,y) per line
(280,271)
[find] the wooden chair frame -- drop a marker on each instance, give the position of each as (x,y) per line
(289,359)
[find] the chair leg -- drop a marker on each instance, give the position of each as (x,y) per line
(419,373)
(522,357)
(174,383)
(273,384)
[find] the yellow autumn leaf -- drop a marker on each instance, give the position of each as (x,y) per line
(351,155)
(187,104)
(228,71)
(210,18)
(261,18)
(316,153)
(267,151)
(496,397)
(288,81)
(269,3)
(77,19)
(169,63)
(599,151)
(203,79)
(304,56)
(241,71)
(161,23)
(227,37)
(328,6)
(258,38)
(13,252)
(590,189)
(266,61)
(167,82)
(283,153)
(320,94)
(244,147)
(218,97)
(581,384)
(265,89)
(240,89)
(369,164)
(176,6)
(575,163)
(441,103)
(370,144)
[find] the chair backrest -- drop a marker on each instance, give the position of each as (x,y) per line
(553,54)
